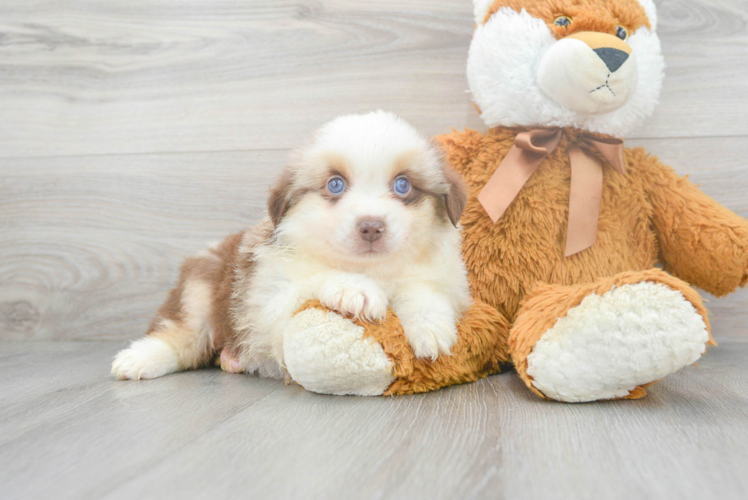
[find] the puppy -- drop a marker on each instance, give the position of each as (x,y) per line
(363,218)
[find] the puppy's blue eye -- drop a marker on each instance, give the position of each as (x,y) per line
(336,185)
(563,21)
(402,185)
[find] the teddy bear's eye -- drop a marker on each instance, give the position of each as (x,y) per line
(622,33)
(562,21)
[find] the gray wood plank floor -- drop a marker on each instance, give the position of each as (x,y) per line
(67,430)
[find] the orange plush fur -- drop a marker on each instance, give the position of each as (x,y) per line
(650,216)
(588,15)
(646,217)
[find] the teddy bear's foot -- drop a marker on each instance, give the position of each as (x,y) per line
(608,339)
(327,353)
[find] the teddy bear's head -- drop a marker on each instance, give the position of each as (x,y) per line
(589,64)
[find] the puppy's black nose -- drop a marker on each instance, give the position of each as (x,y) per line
(613,58)
(371,229)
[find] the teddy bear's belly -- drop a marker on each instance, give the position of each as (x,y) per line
(526,246)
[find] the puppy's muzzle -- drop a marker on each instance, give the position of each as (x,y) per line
(371,229)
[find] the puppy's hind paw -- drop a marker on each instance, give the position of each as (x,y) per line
(230,362)
(146,358)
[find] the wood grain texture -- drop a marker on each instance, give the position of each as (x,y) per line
(132,133)
(705,91)
(90,245)
(87,77)
(211,434)
(91,77)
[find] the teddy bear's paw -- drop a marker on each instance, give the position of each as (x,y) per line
(327,353)
(146,358)
(430,335)
(355,297)
(609,344)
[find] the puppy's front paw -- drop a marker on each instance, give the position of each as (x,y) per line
(356,297)
(430,335)
(146,358)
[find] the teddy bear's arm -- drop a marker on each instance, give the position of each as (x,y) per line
(700,241)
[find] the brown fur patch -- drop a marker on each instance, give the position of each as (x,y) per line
(415,195)
(603,16)
(449,192)
(283,196)
(293,183)
(216,268)
(337,164)
(279,201)
(223,287)
(243,273)
(407,163)
(325,191)
(418,195)
(456,199)
(171,309)
(333,164)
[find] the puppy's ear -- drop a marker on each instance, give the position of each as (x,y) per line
(456,197)
(280,197)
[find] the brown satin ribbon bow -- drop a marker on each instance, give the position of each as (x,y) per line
(528,152)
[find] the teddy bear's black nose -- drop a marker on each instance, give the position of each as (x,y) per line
(613,58)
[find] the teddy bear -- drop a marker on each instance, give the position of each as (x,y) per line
(582,254)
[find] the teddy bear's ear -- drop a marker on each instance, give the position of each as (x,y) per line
(480,9)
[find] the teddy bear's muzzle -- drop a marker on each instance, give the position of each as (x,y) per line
(589,72)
